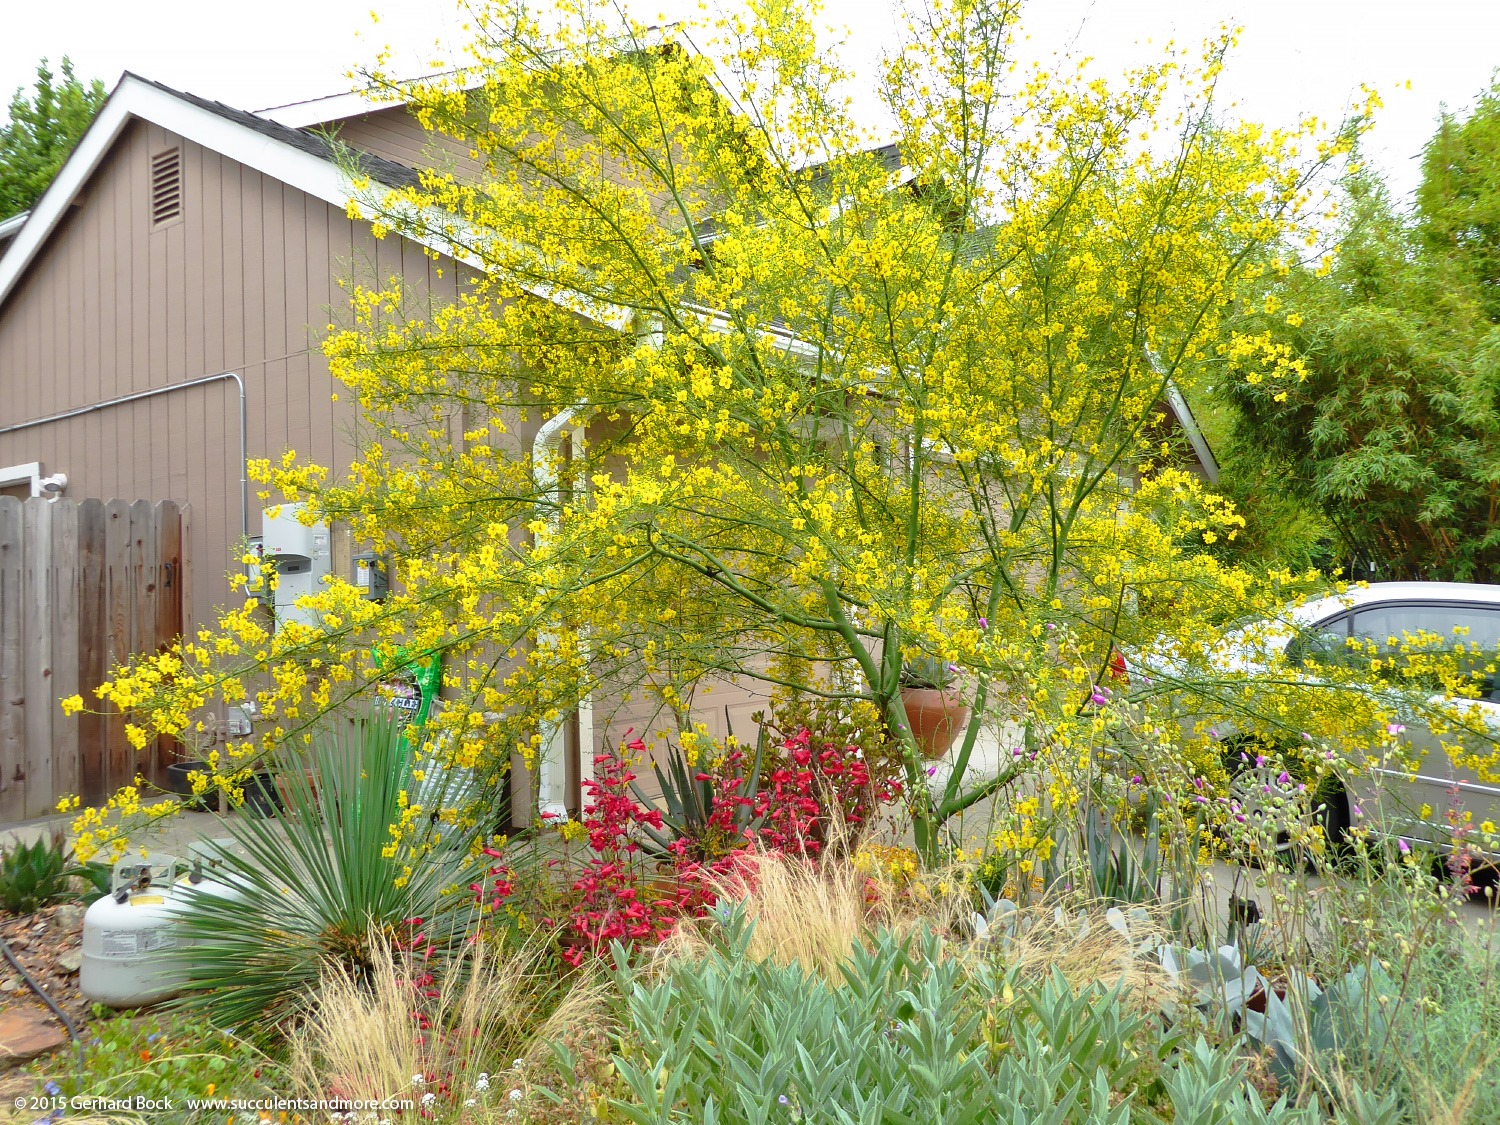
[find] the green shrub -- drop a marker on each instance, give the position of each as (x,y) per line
(41,873)
(315,879)
(910,1035)
(1413,1007)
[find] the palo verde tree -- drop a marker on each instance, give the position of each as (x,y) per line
(832,407)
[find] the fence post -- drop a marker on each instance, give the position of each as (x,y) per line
(12,662)
(65,641)
(92,653)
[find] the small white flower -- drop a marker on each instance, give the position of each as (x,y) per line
(515,1095)
(468,1102)
(428,1098)
(418,1080)
(518,1064)
(482,1082)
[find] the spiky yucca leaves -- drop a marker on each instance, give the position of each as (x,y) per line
(307,886)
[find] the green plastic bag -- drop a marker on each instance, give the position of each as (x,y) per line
(411,684)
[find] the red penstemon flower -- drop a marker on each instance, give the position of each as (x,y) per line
(620,898)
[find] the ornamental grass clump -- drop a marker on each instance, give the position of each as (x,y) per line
(453,1034)
(796,911)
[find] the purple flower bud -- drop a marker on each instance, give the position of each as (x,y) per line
(1283,777)
(1050,626)
(931,771)
(1357,811)
(1404,846)
(1260,761)
(984,623)
(1394,728)
(1136,780)
(1306,737)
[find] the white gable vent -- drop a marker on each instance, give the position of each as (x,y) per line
(166,186)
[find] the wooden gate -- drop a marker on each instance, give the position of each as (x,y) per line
(84,586)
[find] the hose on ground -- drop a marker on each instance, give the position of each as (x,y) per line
(47,1000)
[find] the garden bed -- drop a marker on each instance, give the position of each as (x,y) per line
(47,944)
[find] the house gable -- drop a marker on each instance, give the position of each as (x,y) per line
(112,304)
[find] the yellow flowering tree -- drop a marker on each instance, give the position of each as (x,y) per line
(829,406)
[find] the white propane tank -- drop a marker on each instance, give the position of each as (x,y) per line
(206,876)
(127,933)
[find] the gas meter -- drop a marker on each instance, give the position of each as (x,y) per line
(303,558)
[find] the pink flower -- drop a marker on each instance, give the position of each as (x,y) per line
(1404,846)
(1394,728)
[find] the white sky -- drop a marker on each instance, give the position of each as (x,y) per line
(1295,56)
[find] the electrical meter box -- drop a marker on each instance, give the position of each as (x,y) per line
(303,555)
(372,575)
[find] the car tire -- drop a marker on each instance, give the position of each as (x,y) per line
(1333,815)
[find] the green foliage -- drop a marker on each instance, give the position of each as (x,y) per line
(1458,200)
(316,878)
(1207,1087)
(41,873)
(925,672)
(1412,1010)
(1116,875)
(159,1059)
(688,794)
(41,132)
(910,1035)
(1394,434)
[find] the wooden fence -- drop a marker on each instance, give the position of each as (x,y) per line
(84,585)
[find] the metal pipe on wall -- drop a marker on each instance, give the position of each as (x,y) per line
(152,393)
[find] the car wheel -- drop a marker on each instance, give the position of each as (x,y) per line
(1248,784)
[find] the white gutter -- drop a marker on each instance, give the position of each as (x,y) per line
(552,771)
(9,226)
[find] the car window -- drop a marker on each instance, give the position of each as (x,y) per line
(1322,643)
(1473,625)
(1382,622)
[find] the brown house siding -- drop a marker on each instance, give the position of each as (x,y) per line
(245,281)
(396,135)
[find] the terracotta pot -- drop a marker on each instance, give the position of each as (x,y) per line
(936,717)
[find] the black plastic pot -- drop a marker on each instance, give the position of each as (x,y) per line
(261,795)
(177,782)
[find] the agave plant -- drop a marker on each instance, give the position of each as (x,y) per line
(323,878)
(689,799)
(41,873)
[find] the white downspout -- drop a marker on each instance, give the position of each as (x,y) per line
(552,771)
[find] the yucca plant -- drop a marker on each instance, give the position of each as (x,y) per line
(306,886)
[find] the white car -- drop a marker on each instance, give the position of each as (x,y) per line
(1388,798)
